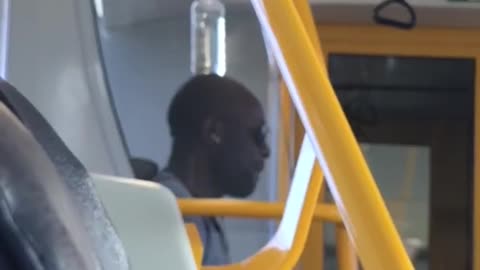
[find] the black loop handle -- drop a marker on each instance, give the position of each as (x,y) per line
(394,23)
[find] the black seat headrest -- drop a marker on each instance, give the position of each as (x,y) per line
(143,168)
(39,224)
(107,244)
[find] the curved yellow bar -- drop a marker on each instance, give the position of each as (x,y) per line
(357,197)
(195,243)
(249,209)
(283,251)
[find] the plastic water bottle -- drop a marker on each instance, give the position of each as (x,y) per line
(207,37)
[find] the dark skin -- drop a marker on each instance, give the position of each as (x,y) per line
(228,156)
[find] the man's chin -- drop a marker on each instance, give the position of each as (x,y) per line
(242,187)
(242,192)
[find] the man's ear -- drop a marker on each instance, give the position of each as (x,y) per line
(212,131)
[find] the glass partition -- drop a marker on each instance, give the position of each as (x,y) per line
(414,119)
(403,175)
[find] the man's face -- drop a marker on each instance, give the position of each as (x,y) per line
(240,156)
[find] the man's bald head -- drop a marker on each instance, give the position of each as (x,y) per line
(219,119)
(205,97)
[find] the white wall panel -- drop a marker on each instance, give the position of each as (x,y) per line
(54,62)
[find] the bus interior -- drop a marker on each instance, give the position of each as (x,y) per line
(372,107)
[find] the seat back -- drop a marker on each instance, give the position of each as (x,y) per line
(40,227)
(107,245)
(148,221)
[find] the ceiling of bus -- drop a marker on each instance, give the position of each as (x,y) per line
(430,12)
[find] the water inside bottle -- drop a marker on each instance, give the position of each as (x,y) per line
(208,42)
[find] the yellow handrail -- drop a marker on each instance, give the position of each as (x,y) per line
(346,257)
(284,143)
(283,251)
(195,243)
(249,209)
(314,250)
(358,198)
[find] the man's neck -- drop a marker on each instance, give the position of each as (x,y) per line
(192,170)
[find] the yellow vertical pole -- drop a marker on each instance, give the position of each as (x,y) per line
(313,254)
(346,258)
(360,203)
(476,212)
(284,143)
(299,134)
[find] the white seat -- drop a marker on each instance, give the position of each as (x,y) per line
(148,221)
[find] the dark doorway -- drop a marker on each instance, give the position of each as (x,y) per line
(417,116)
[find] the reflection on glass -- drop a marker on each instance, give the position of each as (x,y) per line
(402,174)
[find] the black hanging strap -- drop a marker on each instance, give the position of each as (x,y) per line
(407,25)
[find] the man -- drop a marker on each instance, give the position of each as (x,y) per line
(219,149)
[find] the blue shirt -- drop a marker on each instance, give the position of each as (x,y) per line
(210,229)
